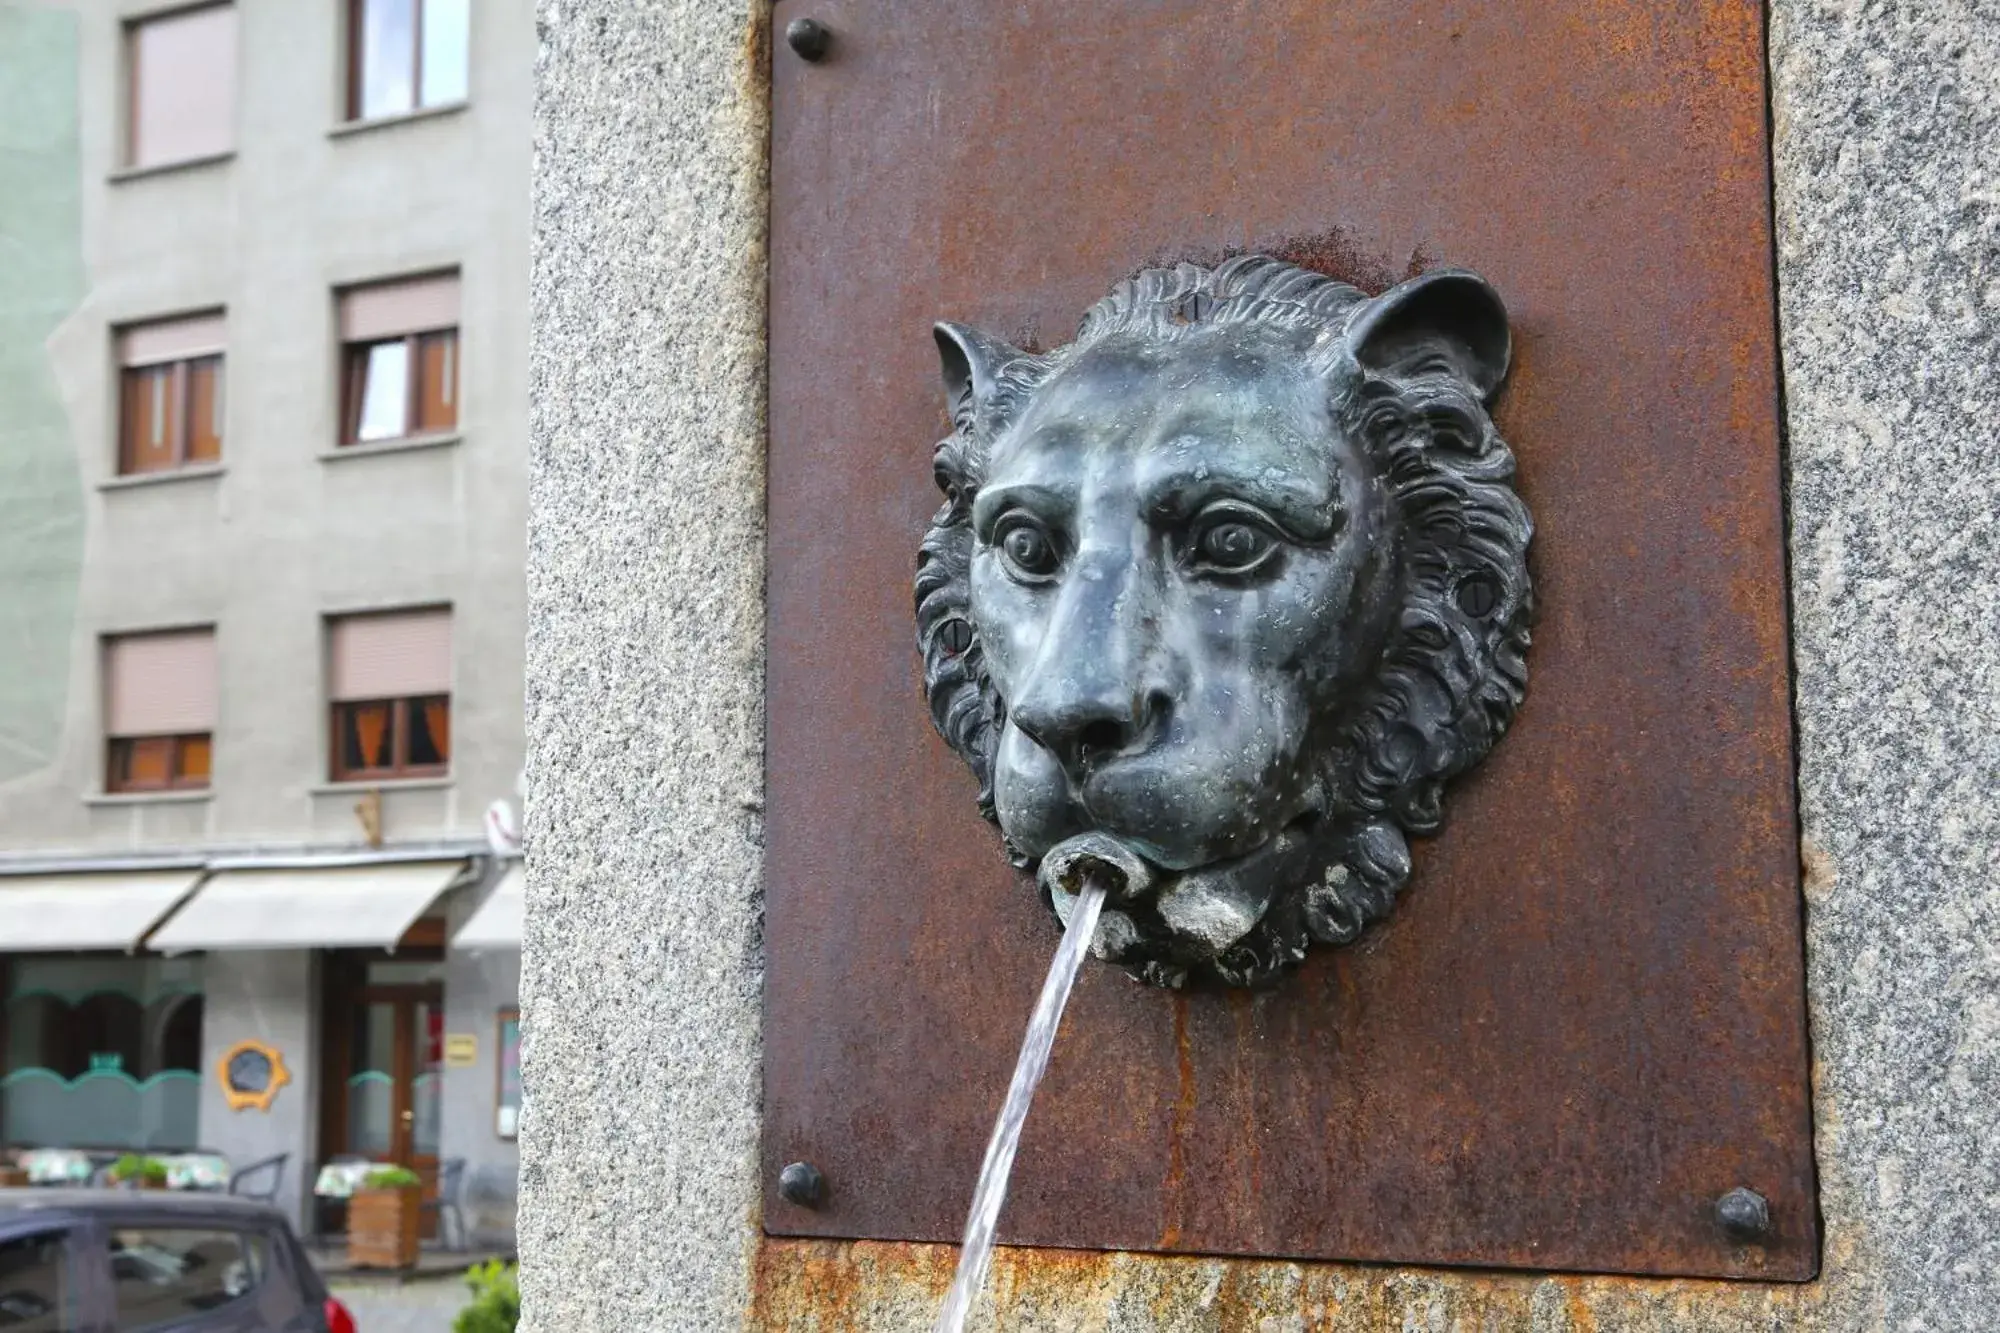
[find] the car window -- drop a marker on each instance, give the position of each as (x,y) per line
(36,1295)
(162,1275)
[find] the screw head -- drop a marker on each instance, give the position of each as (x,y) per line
(1744,1216)
(802,1184)
(809,39)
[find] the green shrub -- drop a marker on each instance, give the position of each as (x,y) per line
(390,1178)
(496,1299)
(134,1167)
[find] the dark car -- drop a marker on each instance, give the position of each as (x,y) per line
(117,1261)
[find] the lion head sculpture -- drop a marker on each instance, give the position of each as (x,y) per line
(1237,578)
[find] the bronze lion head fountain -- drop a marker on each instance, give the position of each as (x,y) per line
(1238,580)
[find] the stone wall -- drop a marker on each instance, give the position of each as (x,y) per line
(642,963)
(1888,210)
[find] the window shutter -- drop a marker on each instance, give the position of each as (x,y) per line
(160,684)
(392,309)
(183,85)
(390,656)
(171,340)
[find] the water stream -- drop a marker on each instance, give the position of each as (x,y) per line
(975,1254)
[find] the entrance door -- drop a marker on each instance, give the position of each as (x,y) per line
(395,1078)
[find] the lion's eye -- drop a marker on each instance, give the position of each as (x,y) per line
(1027,550)
(1233,546)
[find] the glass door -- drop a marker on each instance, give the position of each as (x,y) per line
(395,1079)
(374,1114)
(395,1075)
(426,1106)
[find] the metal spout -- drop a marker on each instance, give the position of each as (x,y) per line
(1097,856)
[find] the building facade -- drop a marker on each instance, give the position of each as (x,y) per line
(261,609)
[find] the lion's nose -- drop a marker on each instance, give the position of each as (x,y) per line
(1083,727)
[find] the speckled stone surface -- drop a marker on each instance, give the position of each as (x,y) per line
(642,964)
(1888,156)
(642,957)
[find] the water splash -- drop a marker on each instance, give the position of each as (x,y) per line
(975,1254)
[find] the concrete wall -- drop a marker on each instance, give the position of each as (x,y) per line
(41,496)
(643,966)
(476,987)
(270,996)
(288,530)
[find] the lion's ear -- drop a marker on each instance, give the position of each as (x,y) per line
(970,362)
(1450,313)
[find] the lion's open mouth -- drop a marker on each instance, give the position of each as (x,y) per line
(1201,910)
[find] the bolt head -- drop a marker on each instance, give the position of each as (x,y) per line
(802,1184)
(1744,1216)
(809,38)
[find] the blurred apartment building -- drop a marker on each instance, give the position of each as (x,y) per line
(263,350)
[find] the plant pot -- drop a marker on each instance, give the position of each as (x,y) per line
(382,1227)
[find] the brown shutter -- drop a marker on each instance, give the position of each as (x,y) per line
(390,656)
(160,684)
(392,309)
(151,419)
(437,381)
(204,410)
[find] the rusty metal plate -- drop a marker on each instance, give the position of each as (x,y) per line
(1584,1022)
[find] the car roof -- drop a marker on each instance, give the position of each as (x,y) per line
(19,1201)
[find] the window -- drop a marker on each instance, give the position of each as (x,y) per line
(100,1050)
(390,681)
(182,90)
(159,710)
(160,1276)
(507,1118)
(36,1295)
(400,348)
(170,412)
(405,54)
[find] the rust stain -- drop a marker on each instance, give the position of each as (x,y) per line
(823,1286)
(755,69)
(1336,252)
(1822,874)
(1176,1180)
(1340,254)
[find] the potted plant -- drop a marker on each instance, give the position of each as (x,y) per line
(496,1299)
(140,1173)
(382,1218)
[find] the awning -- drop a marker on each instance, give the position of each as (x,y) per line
(499,919)
(497,923)
(318,907)
(42,913)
